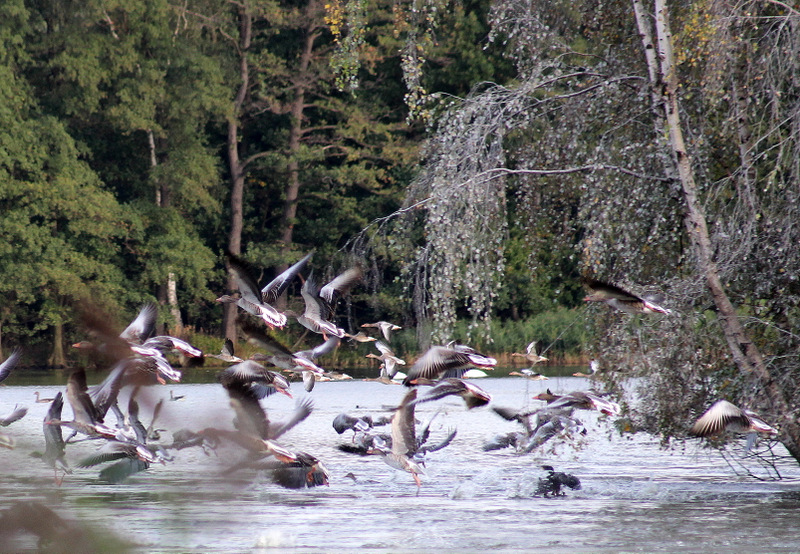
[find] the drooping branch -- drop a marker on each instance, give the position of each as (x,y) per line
(744,352)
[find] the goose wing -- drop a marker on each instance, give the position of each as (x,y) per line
(9,364)
(246,281)
(341,284)
(275,288)
(601,291)
(720,415)
(404,434)
(142,326)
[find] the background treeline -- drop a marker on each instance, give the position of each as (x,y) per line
(126,128)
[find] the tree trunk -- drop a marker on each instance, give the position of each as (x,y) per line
(57,358)
(235,165)
(292,190)
(745,354)
(174,310)
(167,292)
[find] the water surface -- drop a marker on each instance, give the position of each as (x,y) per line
(635,496)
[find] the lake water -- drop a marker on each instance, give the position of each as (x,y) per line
(635,496)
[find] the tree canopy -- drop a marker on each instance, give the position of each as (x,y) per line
(478,161)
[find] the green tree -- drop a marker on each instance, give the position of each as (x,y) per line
(59,227)
(138,93)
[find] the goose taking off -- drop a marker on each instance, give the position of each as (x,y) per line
(389,361)
(404,440)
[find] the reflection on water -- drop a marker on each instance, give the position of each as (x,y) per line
(634,496)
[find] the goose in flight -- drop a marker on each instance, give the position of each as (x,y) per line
(318,303)
(444,361)
(404,440)
(529,373)
(389,361)
(623,300)
(259,302)
(227,353)
(473,395)
(725,416)
(530,354)
(385,328)
(594,367)
(580,400)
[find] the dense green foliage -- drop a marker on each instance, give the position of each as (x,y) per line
(113,152)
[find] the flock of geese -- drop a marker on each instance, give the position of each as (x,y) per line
(138,359)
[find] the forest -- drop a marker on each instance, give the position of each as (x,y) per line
(477,159)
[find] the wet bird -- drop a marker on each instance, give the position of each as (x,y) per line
(385,328)
(472,395)
(530,354)
(623,300)
(723,416)
(447,361)
(255,301)
(551,484)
